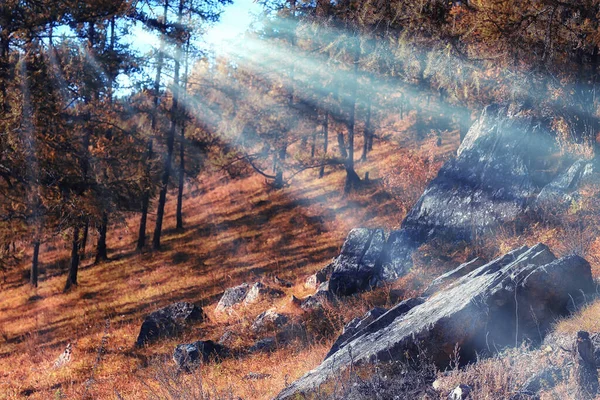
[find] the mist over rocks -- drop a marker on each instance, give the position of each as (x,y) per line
(500,171)
(510,300)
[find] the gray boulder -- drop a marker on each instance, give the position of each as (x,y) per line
(168,322)
(190,356)
(355,269)
(461,392)
(514,298)
(232,296)
(488,184)
(322,275)
(314,280)
(491,182)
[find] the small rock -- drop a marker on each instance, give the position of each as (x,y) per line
(232,296)
(282,282)
(265,345)
(461,392)
(314,280)
(190,356)
(310,303)
(268,320)
(65,357)
(228,338)
(296,301)
(259,291)
(168,321)
(255,376)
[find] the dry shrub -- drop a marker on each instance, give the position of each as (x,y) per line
(407,174)
(586,319)
(167,383)
(429,262)
(593,257)
(324,323)
(498,377)
(409,379)
(565,134)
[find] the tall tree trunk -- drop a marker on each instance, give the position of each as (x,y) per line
(182,144)
(367,133)
(313,146)
(325,141)
(74,267)
(33,276)
(90,99)
(278,183)
(352,178)
(179,226)
(101,248)
(162,198)
(423,85)
(4,68)
(84,238)
(141,242)
(342,145)
(32,168)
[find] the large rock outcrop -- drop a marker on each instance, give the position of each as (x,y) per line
(168,321)
(488,184)
(505,302)
(491,182)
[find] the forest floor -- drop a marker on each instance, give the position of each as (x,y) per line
(236,230)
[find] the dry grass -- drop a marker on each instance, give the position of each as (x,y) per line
(237,230)
(501,376)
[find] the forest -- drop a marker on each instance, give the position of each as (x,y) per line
(113,155)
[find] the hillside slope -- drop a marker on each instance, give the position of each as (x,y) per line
(237,230)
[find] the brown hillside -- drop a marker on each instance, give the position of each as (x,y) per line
(236,230)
